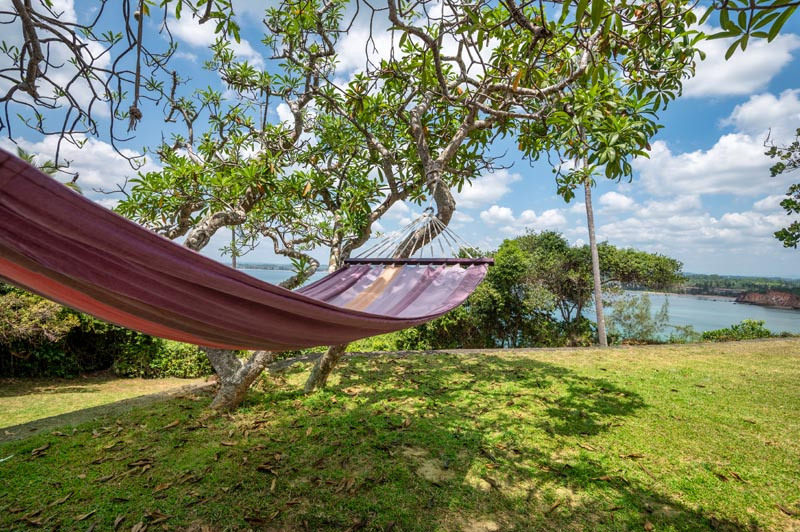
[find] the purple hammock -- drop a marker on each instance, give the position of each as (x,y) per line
(60,245)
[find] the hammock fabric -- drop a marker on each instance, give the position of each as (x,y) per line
(57,243)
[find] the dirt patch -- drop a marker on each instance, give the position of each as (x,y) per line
(430,469)
(26,430)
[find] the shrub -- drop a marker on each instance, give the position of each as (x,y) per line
(184,361)
(150,358)
(746,330)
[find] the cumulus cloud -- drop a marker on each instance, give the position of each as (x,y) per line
(496,215)
(763,113)
(503,218)
(486,189)
(735,165)
(188,30)
(98,165)
(745,73)
(614,201)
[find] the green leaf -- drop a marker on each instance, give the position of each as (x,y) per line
(581,9)
(780,21)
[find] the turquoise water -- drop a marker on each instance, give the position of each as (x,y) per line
(708,314)
(704,314)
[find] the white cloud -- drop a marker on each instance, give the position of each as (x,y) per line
(745,72)
(398,211)
(486,189)
(736,165)
(764,113)
(616,202)
(496,215)
(503,218)
(188,30)
(98,165)
(769,204)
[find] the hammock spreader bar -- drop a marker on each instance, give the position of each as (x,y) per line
(58,244)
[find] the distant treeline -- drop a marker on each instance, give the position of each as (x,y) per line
(725,285)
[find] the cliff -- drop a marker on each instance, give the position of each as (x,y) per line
(771,298)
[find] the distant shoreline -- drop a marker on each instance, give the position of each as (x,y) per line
(708,297)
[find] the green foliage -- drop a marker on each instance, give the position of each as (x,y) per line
(147,357)
(746,330)
(176,359)
(39,338)
(743,19)
(788,161)
(705,284)
(632,321)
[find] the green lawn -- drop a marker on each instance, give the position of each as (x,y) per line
(697,437)
(24,400)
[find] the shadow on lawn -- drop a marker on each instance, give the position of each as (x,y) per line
(486,443)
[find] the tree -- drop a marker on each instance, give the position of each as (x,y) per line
(788,161)
(632,319)
(565,272)
(458,78)
(55,67)
(743,19)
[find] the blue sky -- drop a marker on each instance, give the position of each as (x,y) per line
(704,197)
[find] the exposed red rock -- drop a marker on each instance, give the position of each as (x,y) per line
(771,298)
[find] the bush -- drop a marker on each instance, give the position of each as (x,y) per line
(746,330)
(184,361)
(150,358)
(39,338)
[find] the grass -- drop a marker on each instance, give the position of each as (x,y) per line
(699,437)
(25,400)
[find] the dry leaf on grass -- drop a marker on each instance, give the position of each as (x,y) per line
(171,425)
(84,517)
(118,521)
(649,526)
(162,487)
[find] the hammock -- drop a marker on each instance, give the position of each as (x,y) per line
(62,246)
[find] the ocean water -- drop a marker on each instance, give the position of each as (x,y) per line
(706,313)
(702,313)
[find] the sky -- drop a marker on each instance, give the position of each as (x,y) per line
(704,196)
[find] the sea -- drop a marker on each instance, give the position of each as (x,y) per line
(703,313)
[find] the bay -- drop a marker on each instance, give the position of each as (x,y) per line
(708,313)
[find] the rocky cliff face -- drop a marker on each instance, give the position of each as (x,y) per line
(772,298)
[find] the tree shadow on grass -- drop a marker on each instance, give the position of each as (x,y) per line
(467,443)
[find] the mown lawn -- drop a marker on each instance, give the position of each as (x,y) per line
(698,437)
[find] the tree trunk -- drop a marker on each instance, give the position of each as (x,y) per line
(323,368)
(598,294)
(235,375)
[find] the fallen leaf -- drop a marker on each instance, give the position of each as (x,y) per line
(788,511)
(553,507)
(171,425)
(162,487)
(228,443)
(720,476)
(648,526)
(604,478)
(157,517)
(58,433)
(587,447)
(111,445)
(40,450)
(104,479)
(61,500)
(118,521)
(274,483)
(736,475)
(85,516)
(139,527)
(632,456)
